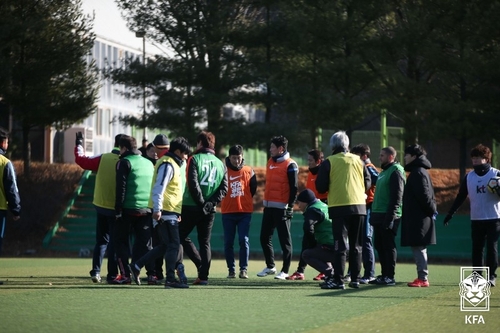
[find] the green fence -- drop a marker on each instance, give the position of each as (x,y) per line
(453,241)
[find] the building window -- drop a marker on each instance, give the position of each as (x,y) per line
(106,122)
(98,124)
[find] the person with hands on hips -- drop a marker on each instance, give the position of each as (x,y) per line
(386,214)
(484,209)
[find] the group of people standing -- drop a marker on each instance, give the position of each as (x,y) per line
(133,197)
(349,209)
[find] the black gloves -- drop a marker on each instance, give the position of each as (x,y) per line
(208,207)
(389,225)
(79,139)
(288,214)
(447,219)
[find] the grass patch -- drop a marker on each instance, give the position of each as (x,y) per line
(56,295)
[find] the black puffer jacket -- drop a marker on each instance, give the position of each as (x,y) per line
(419,205)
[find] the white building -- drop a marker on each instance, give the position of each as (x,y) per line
(114,43)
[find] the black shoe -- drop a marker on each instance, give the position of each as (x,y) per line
(354,285)
(378,280)
(492,281)
(175,284)
(385,281)
(330,283)
(134,274)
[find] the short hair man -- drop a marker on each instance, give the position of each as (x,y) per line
(279,198)
(156,149)
(151,153)
(236,209)
(344,176)
(368,256)
(144,147)
(321,255)
(134,175)
(166,203)
(104,202)
(9,193)
(314,159)
(206,186)
(386,214)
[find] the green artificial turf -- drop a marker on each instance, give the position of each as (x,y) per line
(57,295)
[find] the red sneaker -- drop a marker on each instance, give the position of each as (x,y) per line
(120,279)
(319,277)
(418,283)
(153,280)
(200,282)
(296,276)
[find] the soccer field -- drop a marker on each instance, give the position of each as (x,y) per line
(57,295)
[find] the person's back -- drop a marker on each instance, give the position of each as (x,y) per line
(206,186)
(138,184)
(346,191)
(166,205)
(134,175)
(104,202)
(210,174)
(344,176)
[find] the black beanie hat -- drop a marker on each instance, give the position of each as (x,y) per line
(161,141)
(306,196)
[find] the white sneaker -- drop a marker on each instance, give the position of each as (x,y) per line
(281,276)
(267,271)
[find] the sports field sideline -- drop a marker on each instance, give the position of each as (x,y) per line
(57,295)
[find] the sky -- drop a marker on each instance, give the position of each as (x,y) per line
(109,24)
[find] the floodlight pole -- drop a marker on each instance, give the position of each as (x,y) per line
(383,128)
(142,34)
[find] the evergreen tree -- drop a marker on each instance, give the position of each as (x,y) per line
(468,74)
(205,69)
(324,79)
(45,77)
